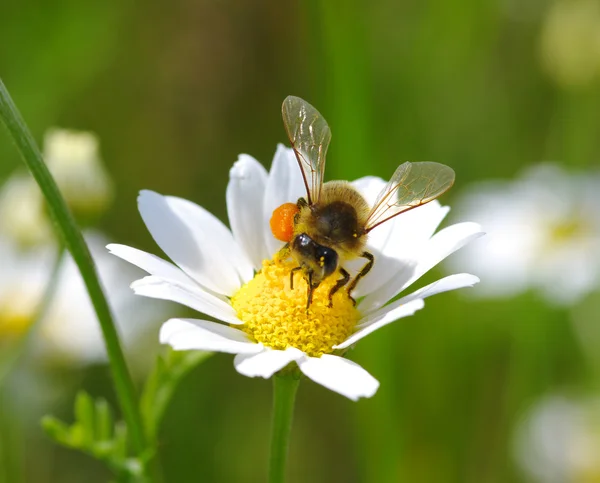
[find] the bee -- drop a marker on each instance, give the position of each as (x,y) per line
(332,223)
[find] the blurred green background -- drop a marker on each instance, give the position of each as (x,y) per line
(176,90)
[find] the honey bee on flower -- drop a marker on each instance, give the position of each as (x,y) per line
(243,277)
(333,222)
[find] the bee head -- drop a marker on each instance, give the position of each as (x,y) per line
(322,261)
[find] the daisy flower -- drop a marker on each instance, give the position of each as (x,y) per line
(28,250)
(22,212)
(23,277)
(543,233)
(69,330)
(74,160)
(559,440)
(230,276)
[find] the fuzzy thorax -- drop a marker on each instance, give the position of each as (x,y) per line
(276,315)
(337,220)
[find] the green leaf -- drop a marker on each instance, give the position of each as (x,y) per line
(57,430)
(104,421)
(95,434)
(85,417)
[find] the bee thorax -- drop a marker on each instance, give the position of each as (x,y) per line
(336,221)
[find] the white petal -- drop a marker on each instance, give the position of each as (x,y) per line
(195,334)
(188,295)
(150,263)
(245,194)
(406,235)
(452,282)
(404,311)
(284,185)
(416,226)
(443,244)
(369,187)
(431,253)
(384,268)
(340,375)
(266,363)
(196,241)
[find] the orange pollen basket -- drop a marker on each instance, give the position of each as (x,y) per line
(282,221)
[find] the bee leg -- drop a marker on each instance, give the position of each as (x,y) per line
(302,203)
(292,271)
(338,285)
(364,270)
(311,288)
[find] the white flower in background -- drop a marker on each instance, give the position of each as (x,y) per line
(265,322)
(73,159)
(543,232)
(570,42)
(69,331)
(23,278)
(559,441)
(22,212)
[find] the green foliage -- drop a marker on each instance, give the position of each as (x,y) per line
(96,433)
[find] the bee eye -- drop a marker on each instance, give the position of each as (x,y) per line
(282,221)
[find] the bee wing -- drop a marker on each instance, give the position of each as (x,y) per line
(309,135)
(412,185)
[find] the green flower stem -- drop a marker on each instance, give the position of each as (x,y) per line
(284,395)
(12,445)
(10,358)
(74,242)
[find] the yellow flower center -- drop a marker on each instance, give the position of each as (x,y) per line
(14,320)
(567,230)
(276,315)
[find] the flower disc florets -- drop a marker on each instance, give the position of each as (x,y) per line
(275,315)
